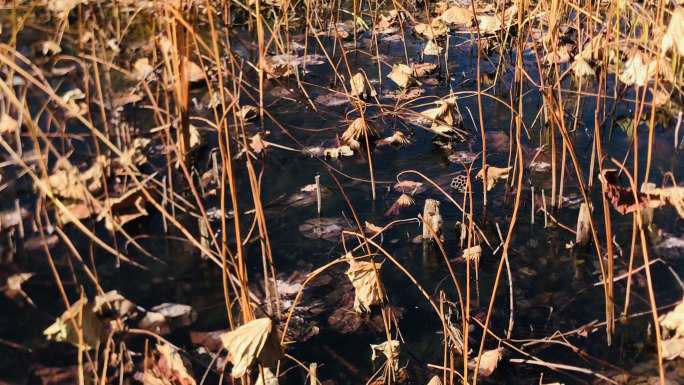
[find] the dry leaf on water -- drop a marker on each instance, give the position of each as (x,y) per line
(401,75)
(410,187)
(371,228)
(459,16)
(163,319)
(257,144)
(170,368)
(435,30)
(560,56)
(385,23)
(623,198)
(278,66)
(493,175)
(81,313)
(75,188)
(435,380)
(13,289)
(365,277)
(8,125)
(389,350)
(432,49)
(674,37)
(252,342)
(322,228)
(120,210)
(337,152)
(443,118)
(423,69)
(488,362)
(673,347)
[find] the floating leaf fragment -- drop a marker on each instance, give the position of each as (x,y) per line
(13,290)
(322,228)
(337,152)
(410,187)
(493,175)
(163,319)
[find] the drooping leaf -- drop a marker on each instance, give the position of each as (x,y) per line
(360,128)
(170,368)
(360,87)
(488,361)
(674,37)
(81,314)
(365,277)
(473,253)
(389,350)
(252,342)
(583,233)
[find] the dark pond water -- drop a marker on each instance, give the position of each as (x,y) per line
(553,285)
